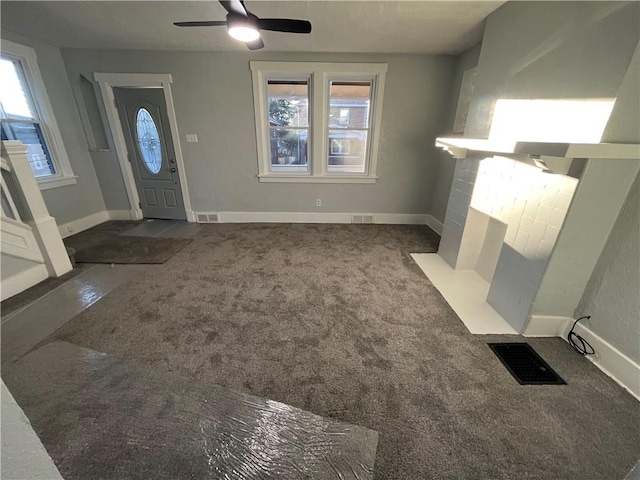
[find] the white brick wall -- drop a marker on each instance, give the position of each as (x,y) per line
(459,200)
(532,204)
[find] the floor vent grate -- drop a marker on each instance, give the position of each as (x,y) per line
(207,217)
(524,363)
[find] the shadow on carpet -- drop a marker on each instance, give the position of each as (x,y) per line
(127,250)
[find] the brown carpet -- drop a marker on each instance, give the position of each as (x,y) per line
(338,320)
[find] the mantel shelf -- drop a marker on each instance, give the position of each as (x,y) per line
(460,146)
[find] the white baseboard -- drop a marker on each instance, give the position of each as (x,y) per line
(18,283)
(122,214)
(319,217)
(92,220)
(434,224)
(400,218)
(85,223)
(283,217)
(546,326)
(610,360)
(607,358)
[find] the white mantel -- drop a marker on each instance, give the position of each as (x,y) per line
(551,157)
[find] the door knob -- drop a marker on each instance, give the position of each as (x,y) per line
(173,169)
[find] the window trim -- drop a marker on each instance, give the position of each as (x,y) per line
(28,60)
(320,74)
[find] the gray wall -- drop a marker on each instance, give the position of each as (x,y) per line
(83,198)
(611,296)
(213,99)
(552,50)
(445,163)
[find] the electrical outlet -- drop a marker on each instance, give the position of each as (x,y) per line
(318,202)
(192,138)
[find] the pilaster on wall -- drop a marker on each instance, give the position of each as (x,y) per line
(600,194)
(459,201)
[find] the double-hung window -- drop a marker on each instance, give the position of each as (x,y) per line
(26,116)
(317,122)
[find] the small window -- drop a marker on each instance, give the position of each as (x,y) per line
(148,141)
(27,117)
(288,107)
(318,122)
(19,119)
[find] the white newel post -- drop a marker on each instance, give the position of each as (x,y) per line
(33,210)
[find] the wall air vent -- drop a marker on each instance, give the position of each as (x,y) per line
(362,219)
(203,217)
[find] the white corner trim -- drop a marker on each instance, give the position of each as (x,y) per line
(615,364)
(316,217)
(191,216)
(434,224)
(546,326)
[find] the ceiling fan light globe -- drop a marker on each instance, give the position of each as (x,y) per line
(244,33)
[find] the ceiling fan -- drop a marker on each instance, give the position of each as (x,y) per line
(245,26)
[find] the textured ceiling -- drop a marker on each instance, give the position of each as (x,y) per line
(444,27)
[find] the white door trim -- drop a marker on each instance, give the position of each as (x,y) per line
(107,82)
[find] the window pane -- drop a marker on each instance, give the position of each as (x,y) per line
(347,151)
(148,141)
(288,149)
(288,103)
(349,104)
(13,93)
(31,135)
(288,125)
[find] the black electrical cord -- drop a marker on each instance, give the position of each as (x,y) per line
(578,343)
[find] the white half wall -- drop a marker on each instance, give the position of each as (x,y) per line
(23,455)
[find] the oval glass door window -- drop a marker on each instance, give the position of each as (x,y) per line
(149,141)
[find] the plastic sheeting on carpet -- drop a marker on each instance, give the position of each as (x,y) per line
(99,417)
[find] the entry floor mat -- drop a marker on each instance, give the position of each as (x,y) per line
(524,363)
(121,249)
(99,417)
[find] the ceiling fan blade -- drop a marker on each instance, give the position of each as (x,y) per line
(211,23)
(234,6)
(287,25)
(255,45)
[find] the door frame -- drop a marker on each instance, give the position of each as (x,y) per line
(107,82)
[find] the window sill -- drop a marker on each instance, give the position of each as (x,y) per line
(55,182)
(310,179)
